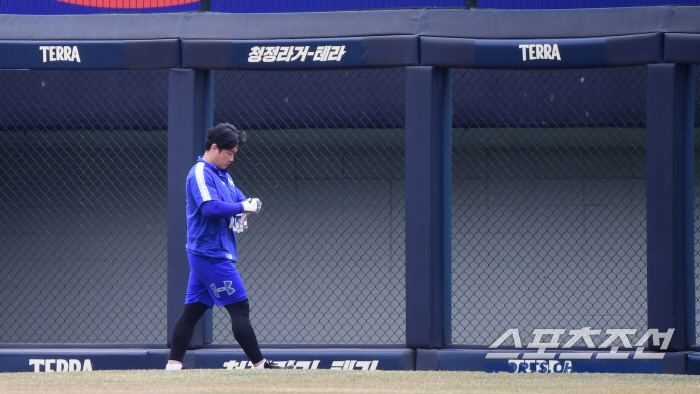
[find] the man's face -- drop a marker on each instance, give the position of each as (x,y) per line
(221,158)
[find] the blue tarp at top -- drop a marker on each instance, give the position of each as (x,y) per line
(55,7)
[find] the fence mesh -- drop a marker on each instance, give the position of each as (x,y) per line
(549,221)
(549,202)
(83,206)
(324,261)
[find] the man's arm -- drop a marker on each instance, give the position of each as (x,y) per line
(220,209)
(202,186)
(250,205)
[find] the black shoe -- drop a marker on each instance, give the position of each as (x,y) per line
(270,365)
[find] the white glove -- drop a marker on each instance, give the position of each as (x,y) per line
(239,223)
(251,205)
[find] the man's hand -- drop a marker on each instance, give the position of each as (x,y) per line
(239,223)
(251,205)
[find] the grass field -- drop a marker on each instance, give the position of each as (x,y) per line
(325,381)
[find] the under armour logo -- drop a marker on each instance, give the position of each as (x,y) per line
(227,286)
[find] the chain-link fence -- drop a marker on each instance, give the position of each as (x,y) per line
(549,208)
(324,261)
(549,202)
(83,206)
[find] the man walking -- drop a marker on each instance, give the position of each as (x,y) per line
(215,210)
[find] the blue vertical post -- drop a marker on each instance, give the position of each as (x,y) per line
(428,209)
(670,216)
(190,113)
(208,97)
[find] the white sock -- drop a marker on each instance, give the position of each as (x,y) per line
(173,367)
(262,365)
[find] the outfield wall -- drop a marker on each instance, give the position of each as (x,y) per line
(500,198)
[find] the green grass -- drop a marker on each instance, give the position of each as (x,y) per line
(325,381)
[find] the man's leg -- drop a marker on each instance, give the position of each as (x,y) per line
(184,328)
(225,289)
(243,331)
(197,301)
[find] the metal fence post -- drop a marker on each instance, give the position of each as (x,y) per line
(428,211)
(190,114)
(670,217)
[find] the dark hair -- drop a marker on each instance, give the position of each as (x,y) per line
(225,136)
